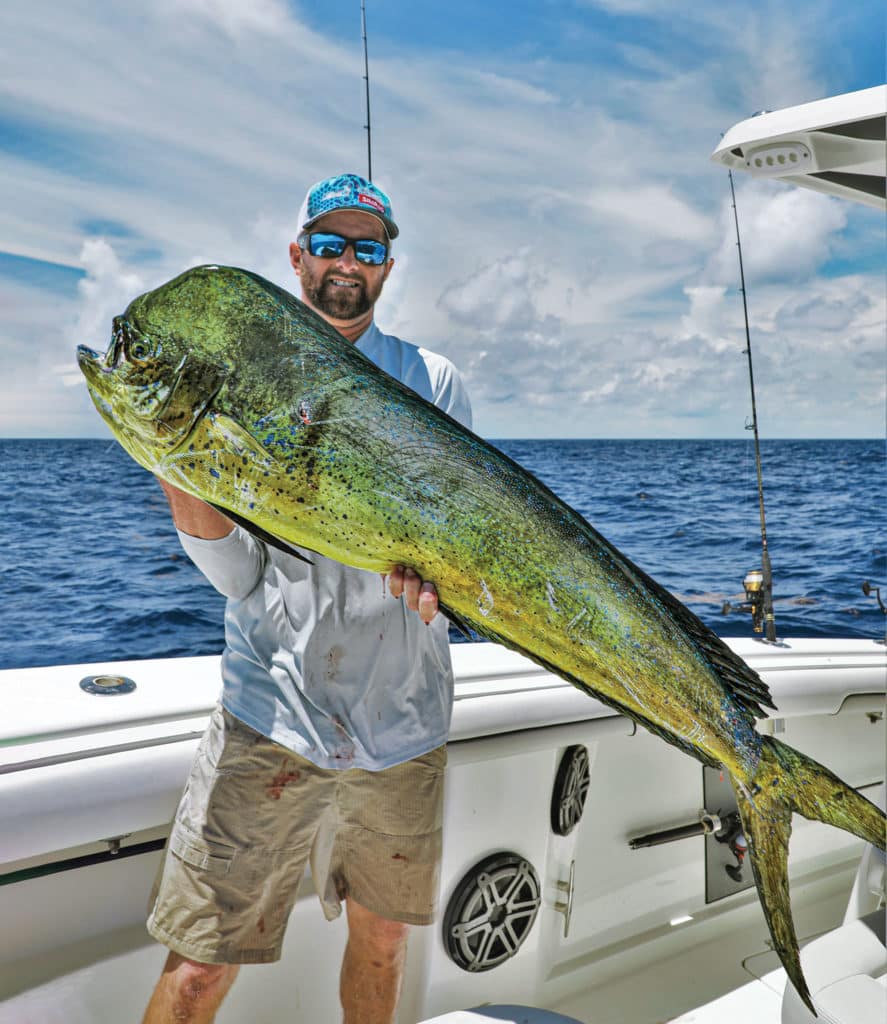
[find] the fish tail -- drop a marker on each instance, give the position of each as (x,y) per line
(786,782)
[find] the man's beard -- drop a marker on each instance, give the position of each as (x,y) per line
(336,302)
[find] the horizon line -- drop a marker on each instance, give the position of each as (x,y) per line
(491,438)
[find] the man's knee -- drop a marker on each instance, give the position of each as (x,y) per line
(196,983)
(385,937)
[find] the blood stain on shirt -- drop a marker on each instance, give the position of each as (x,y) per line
(333,661)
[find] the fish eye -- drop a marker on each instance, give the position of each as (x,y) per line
(139,349)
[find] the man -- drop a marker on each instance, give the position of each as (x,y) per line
(328,744)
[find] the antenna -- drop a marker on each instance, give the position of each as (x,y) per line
(758,587)
(366,78)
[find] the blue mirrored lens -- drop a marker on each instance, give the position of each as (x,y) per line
(370,251)
(327,246)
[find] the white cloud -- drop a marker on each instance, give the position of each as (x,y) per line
(498,295)
(646,7)
(511,88)
(786,233)
(104,292)
(234,16)
(654,209)
(705,319)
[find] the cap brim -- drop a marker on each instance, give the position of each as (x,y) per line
(389,225)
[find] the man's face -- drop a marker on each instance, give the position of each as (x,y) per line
(342,288)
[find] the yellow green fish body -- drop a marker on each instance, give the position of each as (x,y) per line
(231,389)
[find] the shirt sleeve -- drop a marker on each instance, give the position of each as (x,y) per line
(450,394)
(233,564)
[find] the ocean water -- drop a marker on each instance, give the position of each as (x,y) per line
(91,569)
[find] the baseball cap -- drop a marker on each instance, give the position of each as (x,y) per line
(346,192)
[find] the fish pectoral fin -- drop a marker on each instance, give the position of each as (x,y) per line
(260,534)
(223,445)
(767,826)
(237,440)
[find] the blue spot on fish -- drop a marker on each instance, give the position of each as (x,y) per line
(215,473)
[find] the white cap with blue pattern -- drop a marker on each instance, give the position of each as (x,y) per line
(346,192)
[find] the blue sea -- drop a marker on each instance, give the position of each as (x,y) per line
(91,568)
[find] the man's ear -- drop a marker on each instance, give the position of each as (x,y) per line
(296,257)
(388,267)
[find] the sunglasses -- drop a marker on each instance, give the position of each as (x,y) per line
(327,246)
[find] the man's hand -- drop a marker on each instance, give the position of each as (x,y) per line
(420,597)
(195,517)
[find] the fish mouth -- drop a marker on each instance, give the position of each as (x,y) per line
(92,368)
(90,363)
(90,360)
(87,355)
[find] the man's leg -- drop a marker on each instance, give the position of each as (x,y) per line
(372,968)
(235,855)
(189,992)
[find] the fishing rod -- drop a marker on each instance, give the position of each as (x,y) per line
(366,78)
(759,582)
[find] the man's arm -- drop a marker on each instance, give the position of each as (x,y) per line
(195,517)
(231,559)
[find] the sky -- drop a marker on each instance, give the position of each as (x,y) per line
(565,239)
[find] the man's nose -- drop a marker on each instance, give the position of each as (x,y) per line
(348,261)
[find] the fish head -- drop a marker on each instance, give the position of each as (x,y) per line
(157,377)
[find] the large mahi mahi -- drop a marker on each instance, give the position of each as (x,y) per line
(234,391)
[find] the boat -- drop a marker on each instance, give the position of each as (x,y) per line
(589,869)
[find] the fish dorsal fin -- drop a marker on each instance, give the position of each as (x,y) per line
(588,689)
(742,681)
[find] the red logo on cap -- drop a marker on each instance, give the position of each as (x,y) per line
(362,197)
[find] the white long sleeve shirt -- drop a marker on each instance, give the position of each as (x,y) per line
(319,657)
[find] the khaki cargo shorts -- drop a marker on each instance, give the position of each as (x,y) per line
(254,813)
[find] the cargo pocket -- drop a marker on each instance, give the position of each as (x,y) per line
(224,742)
(204,854)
